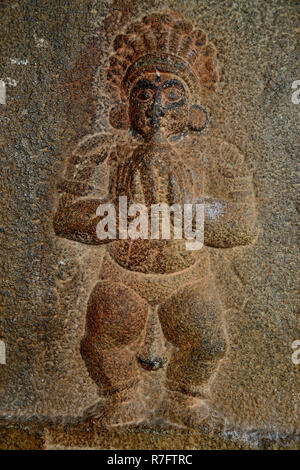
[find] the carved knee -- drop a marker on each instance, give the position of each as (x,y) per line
(192,320)
(116,316)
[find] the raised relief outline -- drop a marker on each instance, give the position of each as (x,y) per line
(156,306)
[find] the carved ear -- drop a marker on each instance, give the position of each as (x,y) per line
(198,118)
(118,116)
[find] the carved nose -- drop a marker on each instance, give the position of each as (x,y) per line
(156,112)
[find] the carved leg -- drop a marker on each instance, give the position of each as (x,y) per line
(192,321)
(116,318)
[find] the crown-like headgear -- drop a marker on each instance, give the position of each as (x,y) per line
(163,42)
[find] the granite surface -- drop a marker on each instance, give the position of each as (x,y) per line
(53,101)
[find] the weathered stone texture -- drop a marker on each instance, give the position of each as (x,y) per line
(48,64)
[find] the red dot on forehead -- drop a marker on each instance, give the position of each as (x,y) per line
(154,76)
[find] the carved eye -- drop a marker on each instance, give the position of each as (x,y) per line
(173,94)
(144,94)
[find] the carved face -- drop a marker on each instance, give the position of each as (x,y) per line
(158,104)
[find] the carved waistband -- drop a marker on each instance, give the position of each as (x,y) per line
(155,288)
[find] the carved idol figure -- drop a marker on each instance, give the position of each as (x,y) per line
(156,76)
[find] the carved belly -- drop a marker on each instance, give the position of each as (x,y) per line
(153,256)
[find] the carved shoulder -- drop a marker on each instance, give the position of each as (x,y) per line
(86,171)
(228,175)
(231,161)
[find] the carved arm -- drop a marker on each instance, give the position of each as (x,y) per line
(230,213)
(75,217)
(228,224)
(77,220)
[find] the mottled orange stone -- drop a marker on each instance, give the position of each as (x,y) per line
(156,305)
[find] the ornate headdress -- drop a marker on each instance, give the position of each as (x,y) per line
(163,42)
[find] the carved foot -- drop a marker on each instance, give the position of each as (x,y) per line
(121,414)
(112,413)
(183,410)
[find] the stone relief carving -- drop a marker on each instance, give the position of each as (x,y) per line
(156,306)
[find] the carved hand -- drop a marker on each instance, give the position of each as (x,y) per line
(154,176)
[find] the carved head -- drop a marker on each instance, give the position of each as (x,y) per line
(158,102)
(160,68)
